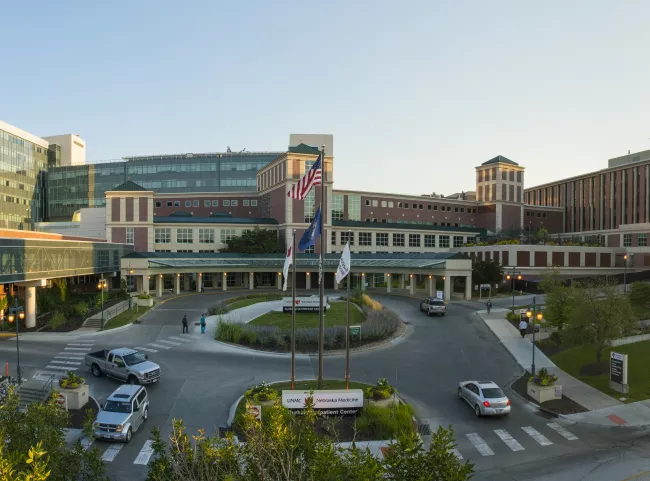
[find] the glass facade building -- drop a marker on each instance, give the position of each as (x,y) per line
(72,187)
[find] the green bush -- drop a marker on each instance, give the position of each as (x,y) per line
(80,308)
(58,320)
(262,392)
(229,332)
(218,310)
(144,296)
(543,378)
(385,423)
(513,317)
(381,390)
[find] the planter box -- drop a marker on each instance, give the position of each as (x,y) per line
(384,403)
(542,394)
(76,398)
(145,302)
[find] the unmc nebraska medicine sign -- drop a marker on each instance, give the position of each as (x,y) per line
(326,403)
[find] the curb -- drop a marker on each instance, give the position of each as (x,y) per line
(232,411)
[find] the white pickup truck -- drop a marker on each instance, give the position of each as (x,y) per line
(125,364)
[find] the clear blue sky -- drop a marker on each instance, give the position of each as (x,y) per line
(416,93)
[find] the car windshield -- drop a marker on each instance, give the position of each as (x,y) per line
(117,407)
(493,393)
(436,302)
(135,358)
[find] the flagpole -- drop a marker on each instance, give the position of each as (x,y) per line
(347,333)
(321,319)
(293,312)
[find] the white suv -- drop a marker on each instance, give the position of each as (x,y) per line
(433,306)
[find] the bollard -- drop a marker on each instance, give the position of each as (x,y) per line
(6,369)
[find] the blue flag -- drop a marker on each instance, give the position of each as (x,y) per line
(308,239)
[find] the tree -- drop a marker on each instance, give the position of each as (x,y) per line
(37,468)
(3,307)
(285,447)
(542,235)
(639,295)
(558,299)
(256,241)
(599,313)
(486,272)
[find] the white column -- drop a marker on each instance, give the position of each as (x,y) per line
(412,285)
(145,284)
(30,307)
(389,283)
(177,284)
(139,284)
(251,280)
(566,259)
(532,258)
(401,281)
(582,259)
(159,285)
(279,280)
(308,281)
(363,281)
(468,288)
(432,283)
(447,289)
(199,281)
(186,282)
(224,281)
(336,285)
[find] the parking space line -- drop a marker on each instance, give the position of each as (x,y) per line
(159,346)
(480,445)
(145,453)
(145,349)
(536,435)
(169,342)
(562,431)
(111,452)
(511,442)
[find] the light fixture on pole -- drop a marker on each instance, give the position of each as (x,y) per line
(17,311)
(625,274)
(534,316)
(101,286)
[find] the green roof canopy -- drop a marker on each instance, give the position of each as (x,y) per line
(500,159)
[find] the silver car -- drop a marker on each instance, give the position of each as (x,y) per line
(433,306)
(124,412)
(485,397)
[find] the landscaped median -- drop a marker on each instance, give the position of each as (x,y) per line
(272,331)
(127,317)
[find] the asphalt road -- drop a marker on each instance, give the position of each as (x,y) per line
(202,379)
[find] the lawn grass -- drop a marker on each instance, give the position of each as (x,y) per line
(126,317)
(335,316)
(572,359)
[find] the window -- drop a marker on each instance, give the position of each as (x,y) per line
(129,235)
(642,240)
(177,203)
(226,203)
(414,240)
(188,203)
(415,206)
(195,203)
(170,203)
(234,203)
(443,241)
(215,203)
(367,202)
(429,207)
(207,203)
(338,202)
(310,206)
(381,239)
(184,236)
(398,240)
(347,236)
(627,240)
(206,236)
(158,204)
(462,209)
(246,203)
(354,207)
(384,203)
(421,207)
(162,236)
(227,234)
(429,240)
(333,236)
(458,241)
(253,203)
(365,238)
(375,203)
(391,204)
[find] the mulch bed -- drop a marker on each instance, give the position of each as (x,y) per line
(550,348)
(78,416)
(557,406)
(594,369)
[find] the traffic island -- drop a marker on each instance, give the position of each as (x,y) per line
(556,405)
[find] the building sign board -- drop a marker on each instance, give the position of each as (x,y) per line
(304,304)
(355,332)
(440,295)
(326,402)
(618,368)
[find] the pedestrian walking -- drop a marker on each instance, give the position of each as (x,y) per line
(202,323)
(489,306)
(185,329)
(523,327)
(202,288)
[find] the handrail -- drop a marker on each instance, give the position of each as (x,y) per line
(48,385)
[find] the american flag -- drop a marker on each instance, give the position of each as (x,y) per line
(311,178)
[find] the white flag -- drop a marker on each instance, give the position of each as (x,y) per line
(344,264)
(287,263)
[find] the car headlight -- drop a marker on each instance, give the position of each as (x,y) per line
(119,428)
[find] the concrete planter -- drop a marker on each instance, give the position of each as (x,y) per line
(542,394)
(76,398)
(384,403)
(145,302)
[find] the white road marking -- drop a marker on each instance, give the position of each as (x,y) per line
(45,374)
(159,346)
(86,443)
(145,349)
(536,435)
(169,342)
(145,453)
(111,452)
(77,349)
(63,368)
(479,444)
(456,453)
(511,442)
(54,361)
(71,357)
(179,339)
(562,431)
(81,344)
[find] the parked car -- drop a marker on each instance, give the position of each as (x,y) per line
(485,397)
(433,306)
(124,364)
(123,413)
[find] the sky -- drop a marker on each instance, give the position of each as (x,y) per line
(416,93)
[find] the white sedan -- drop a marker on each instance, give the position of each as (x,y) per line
(485,397)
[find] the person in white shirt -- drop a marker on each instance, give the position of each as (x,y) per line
(523,327)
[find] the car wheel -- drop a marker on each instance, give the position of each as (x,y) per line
(96,371)
(429,313)
(477,411)
(133,380)
(145,414)
(460,393)
(129,434)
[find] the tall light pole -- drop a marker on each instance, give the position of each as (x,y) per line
(511,278)
(20,313)
(535,316)
(101,286)
(625,274)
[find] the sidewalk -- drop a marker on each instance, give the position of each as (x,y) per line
(94,322)
(603,409)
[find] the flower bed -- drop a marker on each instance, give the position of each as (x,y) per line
(381,390)
(71,381)
(543,378)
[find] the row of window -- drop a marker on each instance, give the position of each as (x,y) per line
(187,235)
(209,203)
(398,239)
(405,205)
(532,214)
(642,240)
(416,222)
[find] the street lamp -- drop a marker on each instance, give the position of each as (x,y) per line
(101,286)
(534,316)
(625,274)
(511,278)
(13,312)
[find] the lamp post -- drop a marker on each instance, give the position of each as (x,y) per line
(534,316)
(13,312)
(511,278)
(625,274)
(101,286)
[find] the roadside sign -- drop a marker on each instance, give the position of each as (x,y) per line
(618,368)
(256,411)
(355,331)
(440,295)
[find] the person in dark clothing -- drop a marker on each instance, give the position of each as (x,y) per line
(489,306)
(185,329)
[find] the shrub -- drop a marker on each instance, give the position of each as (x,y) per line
(80,308)
(144,296)
(58,320)
(228,332)
(543,378)
(513,317)
(379,324)
(369,302)
(385,423)
(71,381)
(261,392)
(556,338)
(381,390)
(218,310)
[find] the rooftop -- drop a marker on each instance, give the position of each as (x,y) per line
(129,186)
(500,159)
(304,149)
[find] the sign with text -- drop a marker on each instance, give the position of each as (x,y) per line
(440,295)
(304,304)
(355,332)
(326,402)
(618,368)
(256,411)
